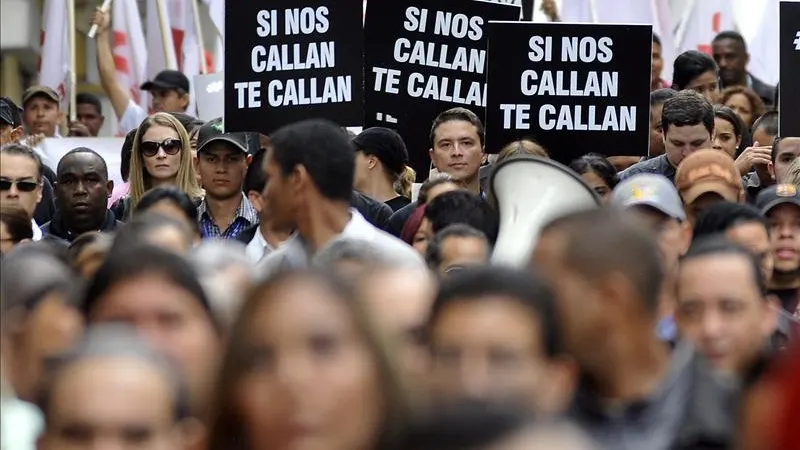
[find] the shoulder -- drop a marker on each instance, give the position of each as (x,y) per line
(647,166)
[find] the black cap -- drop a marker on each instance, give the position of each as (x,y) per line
(39,91)
(776,195)
(167,80)
(6,115)
(214,130)
(386,144)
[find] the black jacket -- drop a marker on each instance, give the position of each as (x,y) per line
(56,229)
(248,234)
(764,90)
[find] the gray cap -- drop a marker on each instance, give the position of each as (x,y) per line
(650,190)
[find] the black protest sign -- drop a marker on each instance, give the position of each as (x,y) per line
(573,88)
(290,60)
(790,69)
(422,58)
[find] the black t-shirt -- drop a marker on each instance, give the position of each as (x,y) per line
(397,202)
(788,298)
(377,213)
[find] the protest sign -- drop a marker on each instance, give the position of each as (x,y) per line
(209,95)
(422,59)
(790,69)
(109,148)
(573,88)
(290,60)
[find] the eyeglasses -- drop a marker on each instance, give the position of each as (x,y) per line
(171,147)
(22,186)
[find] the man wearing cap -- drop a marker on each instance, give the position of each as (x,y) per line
(707,177)
(169,90)
(656,201)
(42,115)
(381,159)
(780,204)
(10,124)
(222,160)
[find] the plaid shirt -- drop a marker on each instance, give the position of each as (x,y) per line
(245,217)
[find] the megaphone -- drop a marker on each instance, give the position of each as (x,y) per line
(528,193)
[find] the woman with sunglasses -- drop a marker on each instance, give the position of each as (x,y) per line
(161,156)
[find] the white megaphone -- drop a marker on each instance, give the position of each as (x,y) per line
(529,192)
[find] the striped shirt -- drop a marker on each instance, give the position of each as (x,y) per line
(245,217)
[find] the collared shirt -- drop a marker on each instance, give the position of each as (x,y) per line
(37,232)
(258,248)
(244,217)
(659,165)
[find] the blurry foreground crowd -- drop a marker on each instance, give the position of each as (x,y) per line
(295,291)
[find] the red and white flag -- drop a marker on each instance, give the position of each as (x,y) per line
(764,47)
(54,63)
(216,9)
(706,19)
(129,48)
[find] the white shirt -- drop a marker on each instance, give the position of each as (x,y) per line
(132,117)
(37,232)
(258,247)
(22,423)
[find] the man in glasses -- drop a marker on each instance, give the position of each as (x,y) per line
(21,176)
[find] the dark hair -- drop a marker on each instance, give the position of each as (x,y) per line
(126,152)
(16,116)
(136,260)
(597,164)
(690,65)
(17,223)
(138,230)
(660,96)
(189,122)
(723,112)
(687,108)
(608,240)
(755,101)
(436,180)
(171,193)
(768,122)
(463,207)
(255,179)
(32,271)
(433,254)
(656,39)
(721,217)
(719,245)
(323,149)
(103,166)
(734,35)
(462,114)
(24,150)
(526,287)
(84,98)
(81,242)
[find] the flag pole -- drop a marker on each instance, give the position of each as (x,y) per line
(71,75)
(201,46)
(104,9)
(169,55)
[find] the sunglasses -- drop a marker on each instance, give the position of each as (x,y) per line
(22,186)
(171,147)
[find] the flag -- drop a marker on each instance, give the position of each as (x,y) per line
(54,63)
(707,19)
(129,48)
(764,47)
(187,40)
(162,53)
(216,10)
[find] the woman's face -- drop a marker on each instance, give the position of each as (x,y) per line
(421,238)
(742,107)
(600,187)
(162,167)
(310,382)
(724,137)
(707,85)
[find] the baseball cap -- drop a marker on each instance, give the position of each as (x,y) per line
(777,195)
(384,143)
(214,130)
(648,189)
(6,115)
(39,91)
(167,79)
(707,171)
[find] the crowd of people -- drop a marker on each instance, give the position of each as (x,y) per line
(299,291)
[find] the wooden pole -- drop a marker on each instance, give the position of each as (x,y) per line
(198,29)
(104,8)
(71,75)
(169,54)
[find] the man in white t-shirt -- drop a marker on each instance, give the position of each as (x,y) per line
(169,90)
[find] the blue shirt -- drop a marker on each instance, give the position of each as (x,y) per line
(246,216)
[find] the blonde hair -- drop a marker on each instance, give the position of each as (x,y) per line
(793,174)
(141,181)
(522,147)
(405,182)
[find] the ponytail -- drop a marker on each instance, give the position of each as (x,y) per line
(406,181)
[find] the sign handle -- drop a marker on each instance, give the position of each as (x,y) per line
(104,8)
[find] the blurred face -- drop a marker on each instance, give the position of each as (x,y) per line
(598,185)
(111,403)
(754,237)
(279,198)
(41,116)
(702,203)
(732,60)
(9,134)
(707,85)
(82,190)
(657,64)
(488,348)
(721,311)
(19,182)
(310,381)
(163,165)
(457,150)
(423,235)
(671,235)
(170,318)
(725,138)
(784,222)
(461,251)
(760,136)
(176,239)
(169,208)
(168,101)
(788,151)
(656,136)
(440,189)
(90,116)
(363,163)
(222,168)
(680,142)
(741,105)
